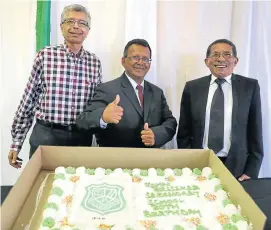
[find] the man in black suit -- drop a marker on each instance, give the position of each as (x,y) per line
(222,112)
(130,111)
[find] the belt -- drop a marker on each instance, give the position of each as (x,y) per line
(52,125)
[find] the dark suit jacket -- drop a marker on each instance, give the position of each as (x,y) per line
(246,152)
(127,132)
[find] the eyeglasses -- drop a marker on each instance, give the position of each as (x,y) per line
(225,55)
(80,23)
(137,59)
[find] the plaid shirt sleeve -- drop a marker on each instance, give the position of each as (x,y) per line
(24,115)
(98,81)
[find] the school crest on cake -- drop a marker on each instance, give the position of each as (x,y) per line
(104,198)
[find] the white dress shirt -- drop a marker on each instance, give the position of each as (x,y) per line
(228,102)
(103,125)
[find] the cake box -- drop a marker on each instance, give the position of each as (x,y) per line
(25,203)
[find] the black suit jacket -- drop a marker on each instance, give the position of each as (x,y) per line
(127,132)
(246,152)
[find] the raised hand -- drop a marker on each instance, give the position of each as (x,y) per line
(113,112)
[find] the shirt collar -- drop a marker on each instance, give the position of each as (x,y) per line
(228,79)
(132,81)
(67,50)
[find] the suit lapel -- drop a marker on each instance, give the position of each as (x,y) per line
(235,98)
(203,93)
(130,93)
(147,100)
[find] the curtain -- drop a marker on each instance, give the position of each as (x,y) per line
(179,33)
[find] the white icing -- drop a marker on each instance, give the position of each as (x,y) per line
(152,172)
(49,212)
(80,171)
(242,225)
(206,171)
(136,172)
(186,197)
(60,170)
(186,171)
(169,172)
(99,172)
(118,171)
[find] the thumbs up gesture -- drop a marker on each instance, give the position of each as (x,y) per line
(147,136)
(113,112)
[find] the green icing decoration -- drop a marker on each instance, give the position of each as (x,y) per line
(201,227)
(211,176)
(197,171)
(129,171)
(178,172)
(57,191)
(152,228)
(48,222)
(178,227)
(236,217)
(219,187)
(59,176)
(52,206)
(226,202)
(128,228)
(75,229)
(229,227)
(160,172)
(108,171)
(70,170)
(144,172)
(55,229)
(90,171)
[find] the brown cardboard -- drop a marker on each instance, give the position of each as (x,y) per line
(23,207)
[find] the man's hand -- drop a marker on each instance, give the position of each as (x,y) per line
(113,113)
(14,160)
(243,177)
(147,136)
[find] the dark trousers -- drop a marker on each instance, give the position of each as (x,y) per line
(43,135)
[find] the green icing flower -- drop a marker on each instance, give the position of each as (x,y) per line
(178,227)
(201,227)
(48,222)
(152,228)
(108,171)
(229,227)
(144,172)
(90,171)
(160,172)
(129,171)
(178,172)
(236,217)
(226,202)
(52,206)
(128,228)
(59,176)
(211,176)
(70,170)
(57,191)
(197,171)
(219,187)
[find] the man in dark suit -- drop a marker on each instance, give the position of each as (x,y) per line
(222,112)
(130,111)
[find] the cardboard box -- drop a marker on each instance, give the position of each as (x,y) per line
(23,207)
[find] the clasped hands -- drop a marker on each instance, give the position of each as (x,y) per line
(113,114)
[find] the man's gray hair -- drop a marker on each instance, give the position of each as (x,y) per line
(77,8)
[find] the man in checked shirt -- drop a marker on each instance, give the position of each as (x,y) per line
(62,82)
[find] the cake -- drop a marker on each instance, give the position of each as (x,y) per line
(139,199)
